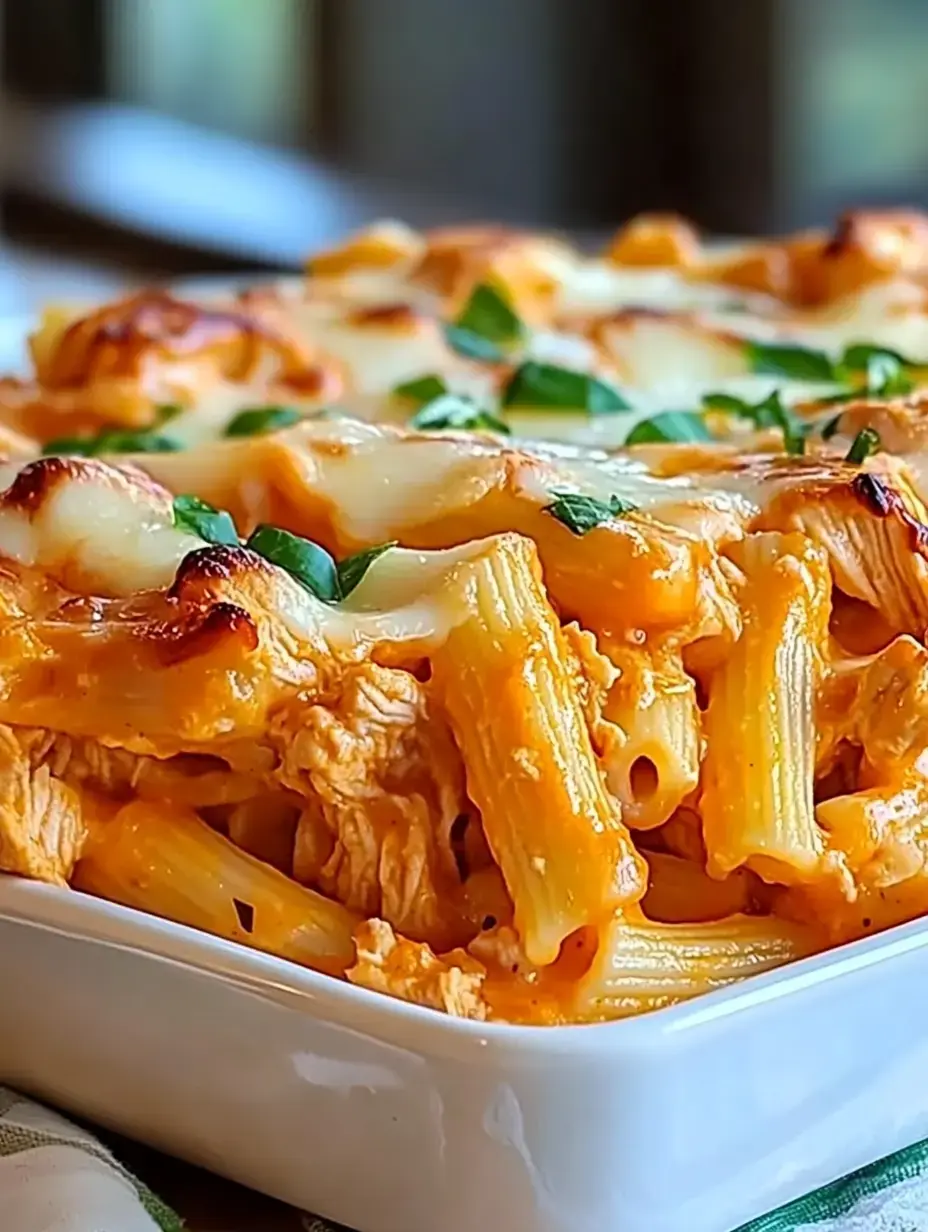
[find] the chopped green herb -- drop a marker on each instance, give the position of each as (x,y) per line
(796,362)
(490,316)
(866,442)
(728,403)
(311,565)
(449,411)
(307,562)
(423,389)
(768,413)
(886,377)
(198,518)
(71,446)
(473,346)
(538,385)
(168,411)
(112,442)
(670,426)
(353,568)
(257,420)
(885,368)
(857,357)
(582,513)
(831,428)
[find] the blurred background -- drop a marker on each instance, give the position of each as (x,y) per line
(172,136)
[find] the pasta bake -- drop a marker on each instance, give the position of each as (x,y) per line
(530,635)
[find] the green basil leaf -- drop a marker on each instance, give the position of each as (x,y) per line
(771,413)
(858,356)
(866,442)
(198,518)
(538,385)
(796,362)
(71,446)
(831,428)
(307,562)
(582,513)
(136,442)
(353,568)
(490,316)
(728,403)
(768,413)
(450,411)
(257,420)
(112,441)
(887,378)
(670,426)
(473,346)
(423,389)
(168,411)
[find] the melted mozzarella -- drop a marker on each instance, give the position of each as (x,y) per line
(104,537)
(598,286)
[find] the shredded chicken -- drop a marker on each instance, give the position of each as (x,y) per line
(388,783)
(386,963)
(42,823)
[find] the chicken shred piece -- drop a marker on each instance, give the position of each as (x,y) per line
(411,971)
(42,822)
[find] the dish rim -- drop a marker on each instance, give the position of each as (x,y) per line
(83,917)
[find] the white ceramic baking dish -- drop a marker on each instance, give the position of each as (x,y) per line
(390,1118)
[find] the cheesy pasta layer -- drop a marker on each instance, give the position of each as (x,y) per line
(528,635)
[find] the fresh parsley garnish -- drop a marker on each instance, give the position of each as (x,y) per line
(117,440)
(311,565)
(670,426)
(490,315)
(486,326)
(112,441)
(473,346)
(798,363)
(449,411)
(304,560)
(422,389)
(539,385)
(866,442)
(257,420)
(831,428)
(885,370)
(582,513)
(858,355)
(353,568)
(770,412)
(196,517)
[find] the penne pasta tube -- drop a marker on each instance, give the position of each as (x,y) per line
(170,863)
(641,966)
(653,702)
(503,680)
(756,802)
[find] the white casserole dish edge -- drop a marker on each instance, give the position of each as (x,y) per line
(390,1118)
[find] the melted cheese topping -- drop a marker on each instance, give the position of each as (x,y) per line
(99,534)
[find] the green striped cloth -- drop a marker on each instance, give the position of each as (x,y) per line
(888,1196)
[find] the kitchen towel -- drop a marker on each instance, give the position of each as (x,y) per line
(56,1177)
